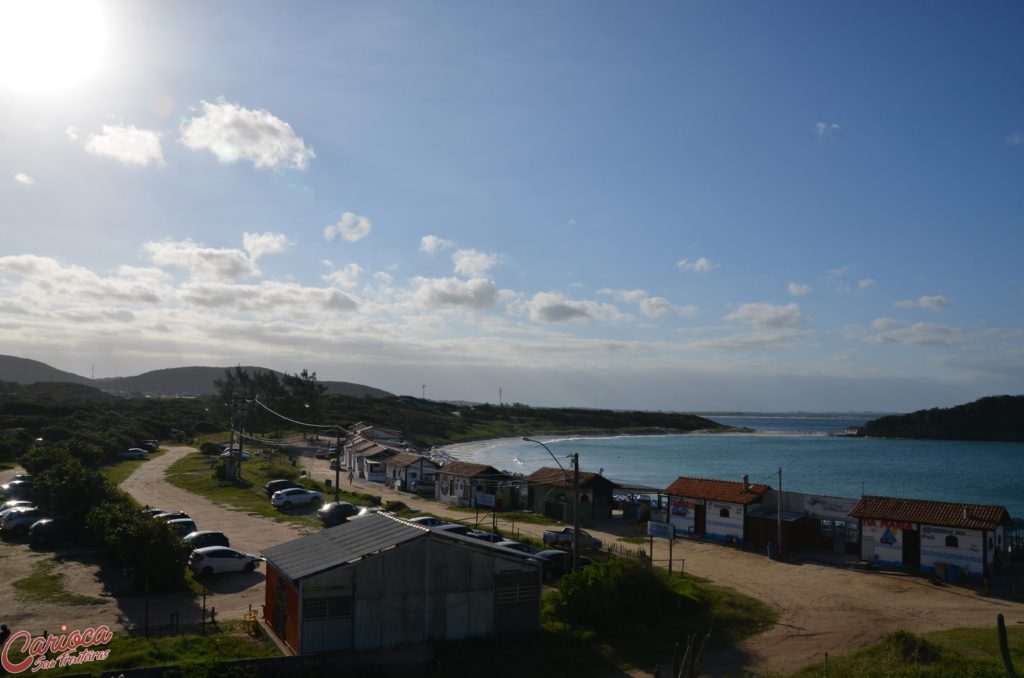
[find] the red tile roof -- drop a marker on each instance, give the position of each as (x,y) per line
(466,469)
(941,513)
(558,478)
(716,490)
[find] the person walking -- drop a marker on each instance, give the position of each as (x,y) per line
(351,475)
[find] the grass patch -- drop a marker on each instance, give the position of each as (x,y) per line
(191,649)
(47,585)
(957,652)
(117,472)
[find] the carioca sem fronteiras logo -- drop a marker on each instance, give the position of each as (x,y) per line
(66,646)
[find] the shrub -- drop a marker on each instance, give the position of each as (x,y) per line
(280,471)
(210,449)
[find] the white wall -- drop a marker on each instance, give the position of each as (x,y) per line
(884,540)
(722,528)
(967,555)
(681,511)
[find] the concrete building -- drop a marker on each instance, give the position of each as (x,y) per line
(381,581)
(954,539)
(713,509)
(406,469)
(463,483)
(551,494)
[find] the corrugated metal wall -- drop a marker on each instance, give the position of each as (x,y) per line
(336,633)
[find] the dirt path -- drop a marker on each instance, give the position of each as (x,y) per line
(822,608)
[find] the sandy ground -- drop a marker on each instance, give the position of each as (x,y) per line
(823,607)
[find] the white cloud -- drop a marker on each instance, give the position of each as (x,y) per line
(822,129)
(699,265)
(550,307)
(767,315)
(347,277)
(128,145)
(431,244)
(882,324)
(44,278)
(865,283)
(258,244)
(268,298)
(202,263)
(1015,139)
(473,263)
(24,179)
(72,132)
(798,289)
(351,227)
(652,307)
(921,334)
(327,262)
(933,303)
(383,277)
(756,340)
(234,133)
(478,293)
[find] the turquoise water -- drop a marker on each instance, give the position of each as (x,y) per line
(981,473)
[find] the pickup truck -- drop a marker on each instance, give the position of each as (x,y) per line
(563,538)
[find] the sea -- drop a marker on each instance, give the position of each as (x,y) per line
(811,460)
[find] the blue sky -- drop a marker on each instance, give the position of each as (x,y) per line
(686,206)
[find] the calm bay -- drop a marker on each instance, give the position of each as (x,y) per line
(958,471)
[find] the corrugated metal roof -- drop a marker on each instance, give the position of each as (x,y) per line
(716,490)
(555,476)
(340,544)
(940,513)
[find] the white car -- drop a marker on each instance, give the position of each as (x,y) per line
(428,521)
(229,453)
(19,519)
(134,453)
(295,496)
(217,559)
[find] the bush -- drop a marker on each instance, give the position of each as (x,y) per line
(210,449)
(610,595)
(280,471)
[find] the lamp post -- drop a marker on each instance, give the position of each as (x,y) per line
(575,499)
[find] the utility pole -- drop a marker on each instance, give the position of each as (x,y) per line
(778,551)
(337,467)
(576,512)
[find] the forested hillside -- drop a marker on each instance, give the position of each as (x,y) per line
(992,418)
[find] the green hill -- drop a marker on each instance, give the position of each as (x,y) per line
(997,418)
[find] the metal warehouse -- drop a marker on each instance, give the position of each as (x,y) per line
(381,581)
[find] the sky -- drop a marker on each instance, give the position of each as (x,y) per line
(686,206)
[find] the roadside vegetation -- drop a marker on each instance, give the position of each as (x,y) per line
(957,652)
(118,471)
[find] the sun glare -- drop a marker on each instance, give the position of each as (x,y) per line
(47,46)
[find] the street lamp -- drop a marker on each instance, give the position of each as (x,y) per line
(575,499)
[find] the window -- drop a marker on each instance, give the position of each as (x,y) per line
(331,607)
(724,513)
(952,541)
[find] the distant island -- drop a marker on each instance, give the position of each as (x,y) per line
(994,418)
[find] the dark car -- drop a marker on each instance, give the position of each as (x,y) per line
(555,563)
(204,538)
(492,537)
(17,489)
(425,488)
(279,484)
(173,515)
(182,526)
(336,513)
(49,531)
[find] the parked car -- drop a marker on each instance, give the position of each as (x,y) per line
(133,453)
(18,520)
(14,503)
(228,453)
(173,515)
(320,453)
(17,489)
(492,537)
(219,559)
(149,510)
(336,513)
(295,496)
(367,510)
(182,526)
(279,484)
(335,464)
(453,528)
(518,546)
(151,445)
(21,476)
(50,530)
(563,538)
(428,521)
(555,563)
(203,538)
(425,488)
